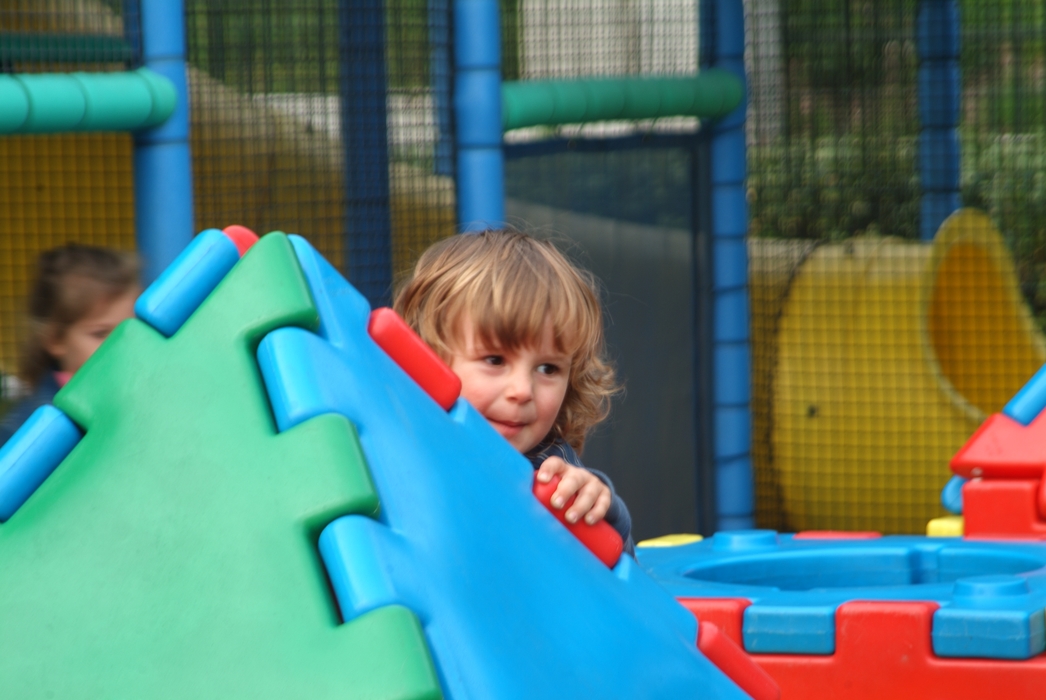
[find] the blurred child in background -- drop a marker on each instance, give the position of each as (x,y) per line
(81,293)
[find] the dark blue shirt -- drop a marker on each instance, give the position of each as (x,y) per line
(617,515)
(21,411)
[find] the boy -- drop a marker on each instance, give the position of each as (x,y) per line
(523,330)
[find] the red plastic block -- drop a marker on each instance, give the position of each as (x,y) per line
(1002,509)
(1003,448)
(417,359)
(836,535)
(242,236)
(725,613)
(883,652)
(601,539)
(738,666)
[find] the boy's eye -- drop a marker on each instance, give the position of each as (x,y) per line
(496,360)
(548,368)
(101,333)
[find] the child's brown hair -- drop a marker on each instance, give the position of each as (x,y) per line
(511,285)
(70,282)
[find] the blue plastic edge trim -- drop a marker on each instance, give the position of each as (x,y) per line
(32,453)
(182,287)
(1027,403)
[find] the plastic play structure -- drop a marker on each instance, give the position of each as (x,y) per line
(171,523)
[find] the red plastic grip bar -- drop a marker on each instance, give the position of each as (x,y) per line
(601,539)
(738,666)
(409,351)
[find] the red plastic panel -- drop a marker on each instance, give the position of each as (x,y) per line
(417,359)
(738,666)
(1003,448)
(1002,508)
(601,539)
(883,652)
(242,236)
(836,535)
(725,613)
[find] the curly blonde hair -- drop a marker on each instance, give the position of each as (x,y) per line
(512,285)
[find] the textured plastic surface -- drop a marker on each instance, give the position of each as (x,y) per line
(601,539)
(461,540)
(31,454)
(179,290)
(883,650)
(796,586)
(418,360)
(731,659)
(173,553)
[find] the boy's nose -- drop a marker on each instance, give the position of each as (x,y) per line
(519,386)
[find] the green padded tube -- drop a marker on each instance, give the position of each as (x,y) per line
(49,103)
(709,95)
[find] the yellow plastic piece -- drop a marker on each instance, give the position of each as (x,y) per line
(890,353)
(947,526)
(670,540)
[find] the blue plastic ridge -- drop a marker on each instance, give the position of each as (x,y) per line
(180,289)
(1027,403)
(31,454)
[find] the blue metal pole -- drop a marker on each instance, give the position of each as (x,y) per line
(163,197)
(364,128)
(477,111)
(939,97)
(722,46)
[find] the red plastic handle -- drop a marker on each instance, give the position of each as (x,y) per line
(601,539)
(409,351)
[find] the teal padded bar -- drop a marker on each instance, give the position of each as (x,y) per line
(49,103)
(711,94)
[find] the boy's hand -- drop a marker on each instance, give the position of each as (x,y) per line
(593,496)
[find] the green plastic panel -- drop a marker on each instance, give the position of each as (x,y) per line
(711,94)
(48,103)
(173,553)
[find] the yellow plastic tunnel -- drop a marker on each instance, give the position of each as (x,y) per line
(890,353)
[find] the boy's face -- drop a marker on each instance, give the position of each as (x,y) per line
(519,391)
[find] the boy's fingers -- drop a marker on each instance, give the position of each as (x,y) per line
(599,510)
(586,498)
(592,502)
(568,486)
(549,468)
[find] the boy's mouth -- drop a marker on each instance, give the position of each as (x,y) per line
(507,428)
